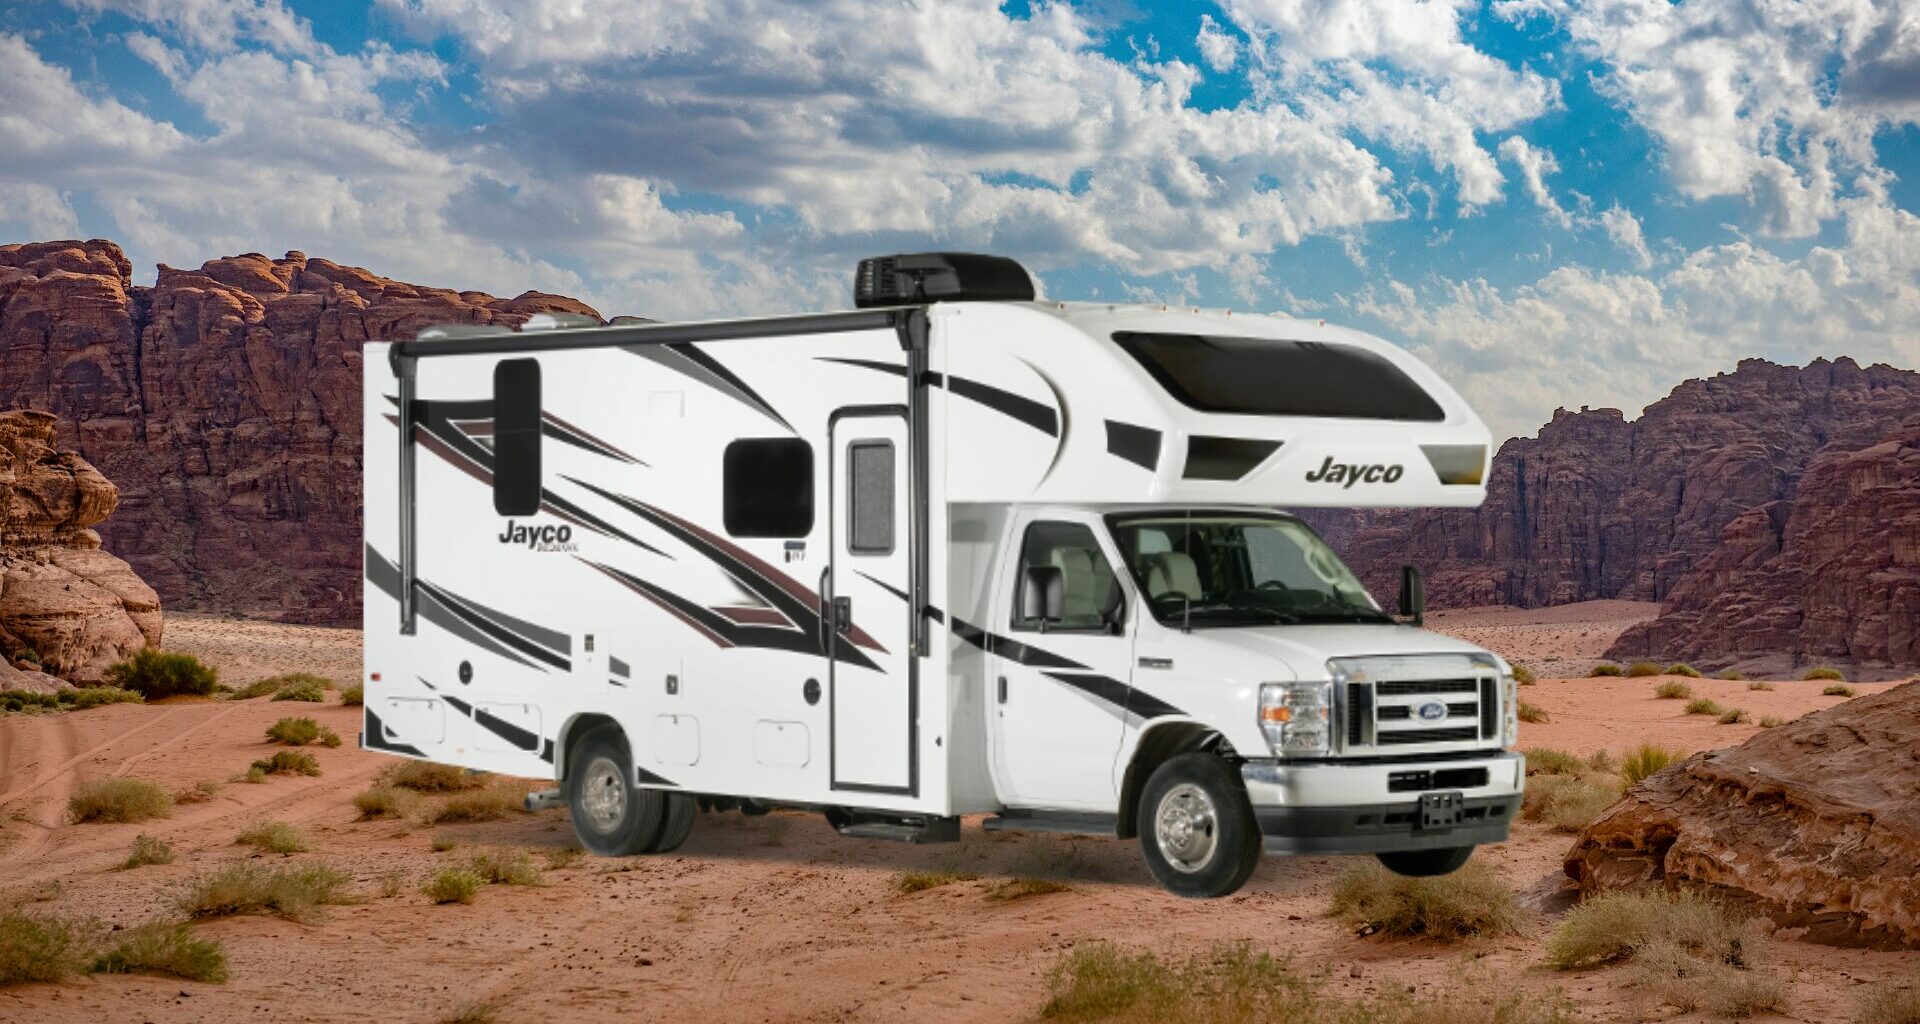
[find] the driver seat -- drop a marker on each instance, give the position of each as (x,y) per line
(1172,572)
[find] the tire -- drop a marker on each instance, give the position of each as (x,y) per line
(1197,829)
(677,824)
(1426,863)
(611,816)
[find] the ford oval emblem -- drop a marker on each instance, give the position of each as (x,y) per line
(1431,711)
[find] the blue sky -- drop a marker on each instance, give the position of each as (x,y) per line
(1556,202)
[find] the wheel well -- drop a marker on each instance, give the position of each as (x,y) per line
(575,728)
(1153,750)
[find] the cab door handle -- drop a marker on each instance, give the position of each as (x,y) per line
(1003,689)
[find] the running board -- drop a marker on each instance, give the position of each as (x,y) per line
(902,829)
(1083,823)
(544,799)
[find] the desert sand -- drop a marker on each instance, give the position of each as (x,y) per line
(754,919)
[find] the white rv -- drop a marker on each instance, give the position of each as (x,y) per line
(954,552)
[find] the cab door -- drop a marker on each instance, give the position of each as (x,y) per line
(1058,689)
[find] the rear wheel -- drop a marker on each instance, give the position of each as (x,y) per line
(611,816)
(1197,829)
(678,823)
(1426,863)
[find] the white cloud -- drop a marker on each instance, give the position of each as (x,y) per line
(1535,164)
(216,25)
(1623,229)
(1218,48)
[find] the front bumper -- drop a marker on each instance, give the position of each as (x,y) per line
(1333,807)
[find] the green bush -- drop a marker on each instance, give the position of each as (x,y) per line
(298,732)
(1646,759)
(293,892)
(1817,674)
(39,949)
(1470,902)
(148,850)
(454,885)
(1606,669)
(302,687)
(1569,803)
(1837,690)
(155,673)
(1704,706)
(28,700)
(165,948)
(355,694)
(119,800)
(1640,669)
(1681,668)
(26,654)
(286,762)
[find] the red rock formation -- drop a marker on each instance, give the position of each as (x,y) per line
(226,404)
(75,607)
(1599,507)
(1832,576)
(1815,824)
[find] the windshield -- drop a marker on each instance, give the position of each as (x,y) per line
(1226,569)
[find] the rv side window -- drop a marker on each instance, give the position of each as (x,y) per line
(1274,377)
(516,437)
(870,497)
(1091,597)
(768,487)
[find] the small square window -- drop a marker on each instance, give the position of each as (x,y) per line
(768,487)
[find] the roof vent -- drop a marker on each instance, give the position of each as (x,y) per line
(940,277)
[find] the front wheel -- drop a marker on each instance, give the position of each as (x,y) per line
(611,816)
(1426,863)
(1197,829)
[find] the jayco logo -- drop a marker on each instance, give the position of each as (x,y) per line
(539,538)
(1346,474)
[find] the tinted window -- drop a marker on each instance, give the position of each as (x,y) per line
(516,437)
(1091,597)
(870,497)
(768,487)
(1267,377)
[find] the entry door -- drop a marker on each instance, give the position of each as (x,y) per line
(1057,693)
(872,687)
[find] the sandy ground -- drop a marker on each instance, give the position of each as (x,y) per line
(768,919)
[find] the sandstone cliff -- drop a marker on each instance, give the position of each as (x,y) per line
(1815,823)
(67,608)
(225,402)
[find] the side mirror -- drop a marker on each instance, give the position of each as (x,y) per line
(1043,594)
(1413,595)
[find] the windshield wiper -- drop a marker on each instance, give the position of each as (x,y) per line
(1236,606)
(1346,616)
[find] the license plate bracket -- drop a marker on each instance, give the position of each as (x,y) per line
(1442,810)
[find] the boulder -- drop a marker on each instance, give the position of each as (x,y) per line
(67,608)
(1815,824)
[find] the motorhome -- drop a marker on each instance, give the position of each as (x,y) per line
(957,551)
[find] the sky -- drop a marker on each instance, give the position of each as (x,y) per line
(1553,202)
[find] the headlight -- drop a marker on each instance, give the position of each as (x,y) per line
(1297,718)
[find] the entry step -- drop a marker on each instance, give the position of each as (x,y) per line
(1073,823)
(900,829)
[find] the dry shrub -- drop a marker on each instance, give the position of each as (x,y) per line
(34,948)
(1669,974)
(290,892)
(274,837)
(1533,713)
(199,793)
(454,885)
(1468,903)
(119,800)
(152,674)
(1605,670)
(355,694)
(428,777)
(1548,761)
(1614,926)
(1021,888)
(1759,684)
(505,867)
(286,762)
(1823,672)
(473,1011)
(168,948)
(298,732)
(148,850)
(98,696)
(1569,802)
(1681,668)
(920,881)
(1522,674)
(1890,1004)
(562,858)
(1673,689)
(442,842)
(1642,669)
(1771,721)
(1838,690)
(1646,759)
(1733,675)
(489,804)
(384,802)
(1734,716)
(1704,706)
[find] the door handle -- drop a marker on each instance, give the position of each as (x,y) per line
(843,615)
(826,612)
(1003,689)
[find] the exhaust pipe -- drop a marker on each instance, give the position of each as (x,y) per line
(545,798)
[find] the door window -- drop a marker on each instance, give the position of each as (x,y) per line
(1092,598)
(870,497)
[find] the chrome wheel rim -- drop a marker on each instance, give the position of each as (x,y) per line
(603,794)
(1187,828)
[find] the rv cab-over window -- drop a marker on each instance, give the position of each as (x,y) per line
(1272,377)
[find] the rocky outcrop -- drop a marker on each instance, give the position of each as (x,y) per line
(1831,576)
(1598,506)
(225,402)
(1815,824)
(67,608)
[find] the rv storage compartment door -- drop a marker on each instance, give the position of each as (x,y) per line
(872,669)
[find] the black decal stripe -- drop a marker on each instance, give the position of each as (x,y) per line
(1012,650)
(385,576)
(648,778)
(546,751)
(1037,415)
(884,585)
(524,739)
(376,737)
(690,362)
(551,639)
(1136,444)
(1127,698)
(560,430)
(725,632)
(618,667)
(1113,691)
(702,359)
(492,629)
(702,620)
